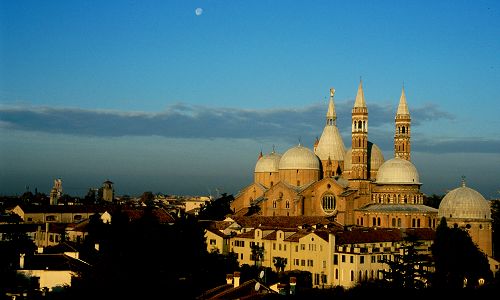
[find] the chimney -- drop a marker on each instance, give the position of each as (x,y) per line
(21,260)
(236,279)
(229,278)
(293,284)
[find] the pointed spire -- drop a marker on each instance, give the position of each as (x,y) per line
(403,106)
(330,114)
(463,181)
(360,97)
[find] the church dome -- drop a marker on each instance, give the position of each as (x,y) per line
(268,163)
(374,153)
(397,171)
(300,158)
(330,145)
(464,203)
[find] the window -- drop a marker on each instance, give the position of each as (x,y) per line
(275,204)
(279,247)
(30,219)
(284,247)
(324,264)
(352,275)
(336,273)
(296,261)
(50,218)
(351,258)
(241,256)
(310,263)
(303,262)
(393,222)
(343,258)
(328,203)
(361,259)
(287,204)
(302,246)
(274,246)
(316,279)
(212,242)
(77,217)
(335,259)
(373,259)
(296,248)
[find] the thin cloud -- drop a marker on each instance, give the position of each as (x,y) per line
(189,121)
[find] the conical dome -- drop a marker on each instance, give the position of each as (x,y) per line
(465,203)
(330,144)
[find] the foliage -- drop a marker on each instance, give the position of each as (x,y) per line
(433,201)
(457,258)
(217,209)
(257,254)
(495,215)
(409,269)
(279,263)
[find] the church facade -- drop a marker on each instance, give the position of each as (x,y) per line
(355,186)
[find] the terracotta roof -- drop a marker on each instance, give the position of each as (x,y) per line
(368,235)
(422,234)
(248,234)
(53,262)
(217,232)
(284,221)
(136,213)
(296,236)
(30,209)
(245,290)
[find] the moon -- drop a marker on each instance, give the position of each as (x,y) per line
(198,11)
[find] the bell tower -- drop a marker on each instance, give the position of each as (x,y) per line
(402,132)
(359,163)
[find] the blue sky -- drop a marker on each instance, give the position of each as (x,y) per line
(154,97)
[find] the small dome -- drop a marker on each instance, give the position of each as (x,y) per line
(268,163)
(397,171)
(299,158)
(330,145)
(464,203)
(374,153)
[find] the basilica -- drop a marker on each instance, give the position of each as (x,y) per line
(355,186)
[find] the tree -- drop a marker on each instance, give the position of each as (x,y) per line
(217,209)
(409,269)
(257,254)
(495,215)
(279,263)
(458,261)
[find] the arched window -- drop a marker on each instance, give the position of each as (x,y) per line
(418,223)
(393,222)
(378,221)
(404,129)
(287,204)
(275,204)
(328,203)
(399,222)
(360,125)
(374,221)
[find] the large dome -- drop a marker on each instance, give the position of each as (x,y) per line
(300,158)
(397,171)
(375,154)
(464,203)
(268,163)
(330,144)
